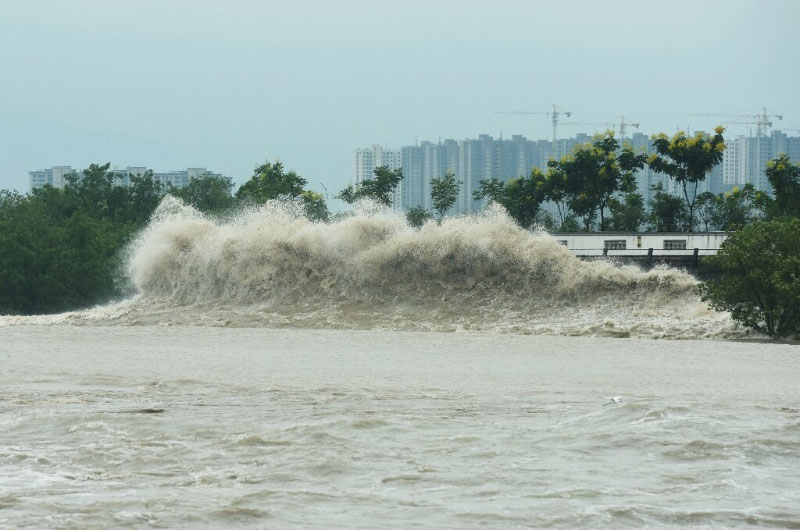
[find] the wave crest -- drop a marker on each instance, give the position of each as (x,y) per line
(270,266)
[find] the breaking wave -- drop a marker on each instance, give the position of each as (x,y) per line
(272,267)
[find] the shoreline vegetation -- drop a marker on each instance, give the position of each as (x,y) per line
(63,249)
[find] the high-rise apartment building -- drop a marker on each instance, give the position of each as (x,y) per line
(420,164)
(366,160)
(56,176)
(181,178)
(53,176)
(745,158)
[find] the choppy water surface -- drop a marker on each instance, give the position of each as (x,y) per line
(186,427)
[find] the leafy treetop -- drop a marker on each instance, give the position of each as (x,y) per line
(687,160)
(379,188)
(444,191)
(270,181)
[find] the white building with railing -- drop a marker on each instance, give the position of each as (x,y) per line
(631,244)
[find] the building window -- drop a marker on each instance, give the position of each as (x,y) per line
(674,244)
(614,244)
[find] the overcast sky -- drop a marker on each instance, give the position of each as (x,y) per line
(227,85)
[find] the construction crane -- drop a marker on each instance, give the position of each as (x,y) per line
(762,120)
(760,125)
(622,125)
(554,115)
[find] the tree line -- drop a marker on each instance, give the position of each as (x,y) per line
(60,248)
(593,188)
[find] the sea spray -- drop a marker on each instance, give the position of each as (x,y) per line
(270,266)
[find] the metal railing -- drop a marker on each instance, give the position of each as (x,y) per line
(648,255)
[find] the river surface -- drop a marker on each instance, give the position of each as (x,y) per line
(194,427)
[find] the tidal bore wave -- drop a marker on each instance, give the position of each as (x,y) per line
(272,267)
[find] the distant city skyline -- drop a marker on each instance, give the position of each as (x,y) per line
(228,86)
(741,158)
(56,176)
(486,157)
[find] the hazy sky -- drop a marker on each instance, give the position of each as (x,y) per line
(226,85)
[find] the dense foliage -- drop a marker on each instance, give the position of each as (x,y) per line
(668,213)
(379,188)
(61,249)
(417,216)
(594,174)
(784,177)
(444,191)
(760,262)
(760,280)
(628,214)
(596,185)
(687,160)
(521,197)
(207,194)
(271,181)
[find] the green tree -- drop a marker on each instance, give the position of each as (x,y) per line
(314,205)
(594,173)
(737,209)
(687,160)
(30,246)
(271,181)
(545,221)
(668,213)
(417,216)
(444,191)
(349,194)
(570,224)
(144,195)
(556,191)
(207,193)
(627,215)
(524,197)
(492,189)
(785,180)
(379,188)
(760,281)
(92,189)
(706,209)
(521,197)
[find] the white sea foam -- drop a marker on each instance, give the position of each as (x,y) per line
(270,266)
